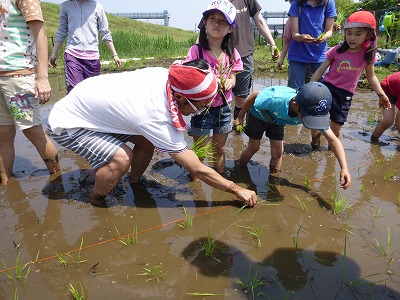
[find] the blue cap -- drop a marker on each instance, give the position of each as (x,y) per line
(314,100)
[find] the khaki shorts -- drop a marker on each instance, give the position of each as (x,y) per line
(18,104)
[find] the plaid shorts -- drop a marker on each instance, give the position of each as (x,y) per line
(97,148)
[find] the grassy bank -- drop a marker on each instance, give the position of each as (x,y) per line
(155,45)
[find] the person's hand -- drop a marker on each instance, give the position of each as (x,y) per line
(345,179)
(117,61)
(384,101)
(306,38)
(246,196)
(52,60)
(228,84)
(42,90)
(280,64)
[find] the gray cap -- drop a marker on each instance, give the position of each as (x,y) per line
(314,100)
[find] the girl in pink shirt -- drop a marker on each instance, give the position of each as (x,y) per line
(346,64)
(216,46)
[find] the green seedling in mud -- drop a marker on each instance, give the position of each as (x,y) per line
(75,293)
(362,188)
(346,226)
(252,282)
(153,272)
(209,245)
(302,205)
(188,222)
(390,175)
(379,247)
(203,151)
(255,231)
(66,259)
(21,271)
(307,184)
(377,160)
(296,239)
(339,203)
(377,213)
(130,239)
(15,294)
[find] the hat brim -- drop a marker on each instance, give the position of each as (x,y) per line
(207,12)
(358,24)
(320,122)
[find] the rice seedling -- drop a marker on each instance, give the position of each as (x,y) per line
(209,245)
(203,150)
(153,272)
(63,259)
(390,175)
(252,282)
(188,222)
(130,239)
(302,204)
(377,213)
(339,203)
(75,293)
(377,160)
(307,183)
(255,231)
(380,248)
(296,239)
(15,294)
(20,271)
(362,188)
(284,296)
(66,259)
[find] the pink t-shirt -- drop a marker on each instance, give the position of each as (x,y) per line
(287,33)
(236,64)
(345,69)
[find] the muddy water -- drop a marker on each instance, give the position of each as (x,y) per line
(302,251)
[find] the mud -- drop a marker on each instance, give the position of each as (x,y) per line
(303,250)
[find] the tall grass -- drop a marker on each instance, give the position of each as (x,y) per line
(131,44)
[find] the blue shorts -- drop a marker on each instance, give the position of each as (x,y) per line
(255,128)
(244,79)
(216,119)
(97,148)
(341,102)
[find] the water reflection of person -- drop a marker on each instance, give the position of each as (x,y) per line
(307,274)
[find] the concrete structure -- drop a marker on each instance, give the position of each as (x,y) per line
(146,16)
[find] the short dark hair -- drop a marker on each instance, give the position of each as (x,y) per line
(198,63)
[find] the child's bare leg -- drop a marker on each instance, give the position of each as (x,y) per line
(7,152)
(275,165)
(388,116)
(397,122)
(249,151)
(218,142)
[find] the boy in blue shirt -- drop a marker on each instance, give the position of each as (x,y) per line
(276,106)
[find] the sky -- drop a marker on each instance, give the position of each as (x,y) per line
(184,14)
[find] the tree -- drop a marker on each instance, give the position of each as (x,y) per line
(373,5)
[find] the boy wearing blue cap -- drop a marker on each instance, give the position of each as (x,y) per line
(276,106)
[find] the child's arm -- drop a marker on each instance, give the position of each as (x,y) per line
(375,85)
(321,70)
(337,148)
(249,103)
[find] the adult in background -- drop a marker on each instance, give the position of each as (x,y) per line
(311,23)
(244,42)
(144,107)
(23,45)
(81,22)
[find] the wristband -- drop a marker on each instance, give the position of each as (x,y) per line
(115,55)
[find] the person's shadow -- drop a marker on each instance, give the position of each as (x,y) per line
(287,273)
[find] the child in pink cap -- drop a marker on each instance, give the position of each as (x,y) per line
(346,64)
